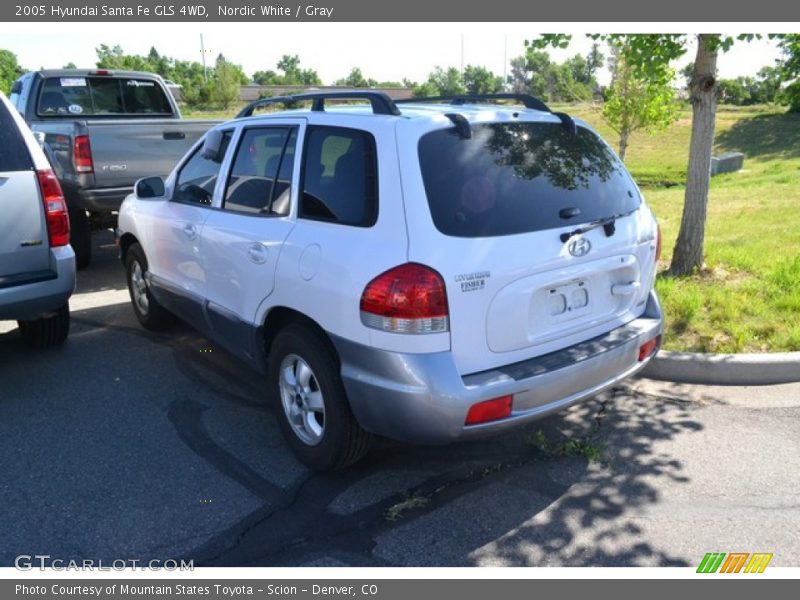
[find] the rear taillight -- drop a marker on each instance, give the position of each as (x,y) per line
(658,242)
(82,154)
(489,410)
(410,298)
(648,348)
(55,208)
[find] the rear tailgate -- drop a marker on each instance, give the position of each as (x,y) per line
(486,214)
(23,231)
(126,150)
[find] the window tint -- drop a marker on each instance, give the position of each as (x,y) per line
(340,176)
(198,176)
(260,179)
(14,155)
(515,178)
(102,96)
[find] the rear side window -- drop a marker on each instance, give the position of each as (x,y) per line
(515,178)
(198,177)
(261,176)
(98,96)
(14,155)
(340,181)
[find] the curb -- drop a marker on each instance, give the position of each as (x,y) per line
(724,369)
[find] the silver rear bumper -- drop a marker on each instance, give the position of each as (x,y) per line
(422,398)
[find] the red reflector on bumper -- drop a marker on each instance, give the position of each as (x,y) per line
(646,349)
(489,410)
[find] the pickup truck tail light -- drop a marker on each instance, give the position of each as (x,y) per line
(82,154)
(410,298)
(55,208)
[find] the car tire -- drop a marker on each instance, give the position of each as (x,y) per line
(311,403)
(80,236)
(47,331)
(148,311)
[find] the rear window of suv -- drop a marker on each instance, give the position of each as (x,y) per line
(98,96)
(515,178)
(14,155)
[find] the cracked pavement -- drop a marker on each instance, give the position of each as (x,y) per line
(128,444)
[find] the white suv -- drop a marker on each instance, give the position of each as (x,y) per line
(440,273)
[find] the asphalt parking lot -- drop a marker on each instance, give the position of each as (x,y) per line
(126,444)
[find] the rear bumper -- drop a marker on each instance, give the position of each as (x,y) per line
(100,199)
(27,301)
(422,398)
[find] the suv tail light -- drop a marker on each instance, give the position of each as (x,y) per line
(55,208)
(658,242)
(410,298)
(82,154)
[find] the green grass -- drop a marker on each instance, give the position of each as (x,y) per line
(747,298)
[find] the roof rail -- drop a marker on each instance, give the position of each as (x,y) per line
(381,103)
(526,100)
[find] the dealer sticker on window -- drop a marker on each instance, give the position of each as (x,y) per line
(73,82)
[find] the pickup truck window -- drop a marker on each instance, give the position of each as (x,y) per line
(260,180)
(198,176)
(98,96)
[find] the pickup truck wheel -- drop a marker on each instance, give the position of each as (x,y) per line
(150,313)
(48,331)
(80,237)
(312,407)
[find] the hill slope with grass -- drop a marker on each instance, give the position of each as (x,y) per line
(747,298)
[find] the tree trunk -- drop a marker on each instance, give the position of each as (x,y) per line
(688,254)
(623,144)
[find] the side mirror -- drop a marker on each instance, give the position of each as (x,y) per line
(150,187)
(16,87)
(212,146)
(39,136)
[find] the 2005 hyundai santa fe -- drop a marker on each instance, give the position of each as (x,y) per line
(435,273)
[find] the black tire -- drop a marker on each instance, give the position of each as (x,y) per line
(342,441)
(149,312)
(80,237)
(47,331)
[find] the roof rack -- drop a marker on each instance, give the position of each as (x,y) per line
(381,103)
(526,100)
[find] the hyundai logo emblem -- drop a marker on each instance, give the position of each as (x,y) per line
(579,247)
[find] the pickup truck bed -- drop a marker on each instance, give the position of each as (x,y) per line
(101,131)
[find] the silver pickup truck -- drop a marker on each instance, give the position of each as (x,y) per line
(102,130)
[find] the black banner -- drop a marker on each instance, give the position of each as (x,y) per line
(587,11)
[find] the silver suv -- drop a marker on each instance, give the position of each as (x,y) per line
(37,264)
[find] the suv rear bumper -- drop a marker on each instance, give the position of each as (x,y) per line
(422,398)
(46,292)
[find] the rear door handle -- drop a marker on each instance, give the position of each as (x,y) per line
(625,289)
(174,135)
(190,230)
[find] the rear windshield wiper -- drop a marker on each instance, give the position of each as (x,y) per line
(607,223)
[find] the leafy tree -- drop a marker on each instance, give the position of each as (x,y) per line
(651,55)
(480,80)
(636,101)
(9,70)
(441,82)
(224,83)
(268,77)
(356,79)
(70,65)
(790,69)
